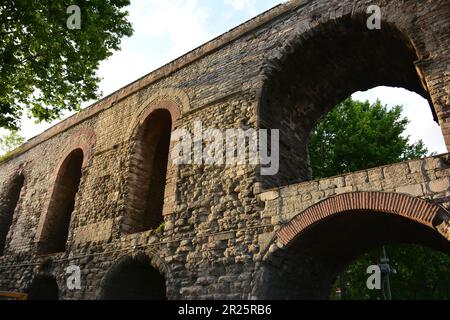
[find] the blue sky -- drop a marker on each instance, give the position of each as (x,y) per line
(166,29)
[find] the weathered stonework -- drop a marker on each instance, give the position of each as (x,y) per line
(221,240)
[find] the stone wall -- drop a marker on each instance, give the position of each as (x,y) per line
(320,226)
(425,179)
(217,229)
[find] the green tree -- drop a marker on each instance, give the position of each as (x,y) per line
(9,142)
(358,135)
(46,67)
(422,274)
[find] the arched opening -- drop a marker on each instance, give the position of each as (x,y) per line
(133,279)
(43,287)
(309,265)
(407,272)
(8,206)
(416,108)
(360,134)
(148,171)
(321,69)
(55,230)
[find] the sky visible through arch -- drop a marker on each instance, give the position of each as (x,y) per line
(167,29)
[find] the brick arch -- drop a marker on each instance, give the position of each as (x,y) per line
(135,211)
(168,105)
(322,63)
(83,140)
(43,287)
(310,26)
(147,259)
(9,204)
(415,209)
(159,101)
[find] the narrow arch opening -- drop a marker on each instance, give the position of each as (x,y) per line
(8,207)
(308,267)
(62,203)
(335,60)
(43,287)
(133,280)
(148,171)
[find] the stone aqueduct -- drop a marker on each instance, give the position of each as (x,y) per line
(78,194)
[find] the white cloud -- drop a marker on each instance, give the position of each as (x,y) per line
(122,68)
(163,31)
(184,23)
(238,4)
(416,109)
(251,7)
(243,5)
(166,29)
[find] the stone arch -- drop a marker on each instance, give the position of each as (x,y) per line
(55,228)
(157,101)
(64,186)
(415,209)
(43,287)
(321,64)
(84,139)
(309,27)
(140,276)
(151,177)
(175,100)
(8,206)
(305,255)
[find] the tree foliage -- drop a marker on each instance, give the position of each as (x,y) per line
(9,142)
(45,67)
(355,136)
(422,274)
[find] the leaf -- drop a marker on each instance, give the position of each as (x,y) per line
(45,67)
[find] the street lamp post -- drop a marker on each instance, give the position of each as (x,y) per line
(386,270)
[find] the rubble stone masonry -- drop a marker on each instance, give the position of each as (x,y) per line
(229,232)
